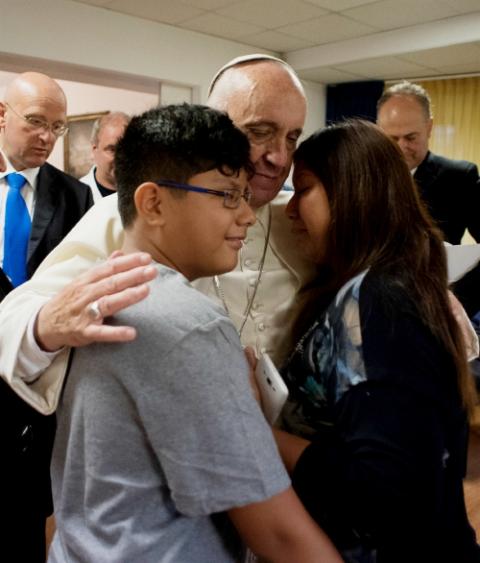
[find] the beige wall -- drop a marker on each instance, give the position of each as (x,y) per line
(90,98)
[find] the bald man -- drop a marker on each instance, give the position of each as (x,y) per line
(32,118)
(106,133)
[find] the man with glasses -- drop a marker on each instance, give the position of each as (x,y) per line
(39,205)
(32,118)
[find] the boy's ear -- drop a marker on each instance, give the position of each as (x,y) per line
(150,203)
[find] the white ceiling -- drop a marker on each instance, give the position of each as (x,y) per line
(335,40)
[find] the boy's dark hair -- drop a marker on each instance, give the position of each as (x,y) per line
(176,142)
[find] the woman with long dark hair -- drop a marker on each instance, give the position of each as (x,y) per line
(380,389)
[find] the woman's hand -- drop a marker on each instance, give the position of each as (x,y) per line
(252,364)
(470,337)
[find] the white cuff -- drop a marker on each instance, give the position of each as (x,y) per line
(32,361)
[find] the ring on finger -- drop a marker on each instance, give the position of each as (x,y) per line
(93,311)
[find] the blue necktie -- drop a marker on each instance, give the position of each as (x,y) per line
(17,231)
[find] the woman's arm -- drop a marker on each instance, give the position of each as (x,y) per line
(279,530)
(291,447)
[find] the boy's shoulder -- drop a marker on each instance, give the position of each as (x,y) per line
(173,305)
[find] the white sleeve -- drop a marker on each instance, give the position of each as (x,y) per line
(93,239)
(31,359)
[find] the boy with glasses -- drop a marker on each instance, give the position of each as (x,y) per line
(159,440)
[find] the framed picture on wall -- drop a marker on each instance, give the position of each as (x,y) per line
(77,149)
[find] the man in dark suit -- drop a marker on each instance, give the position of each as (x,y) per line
(32,117)
(448,187)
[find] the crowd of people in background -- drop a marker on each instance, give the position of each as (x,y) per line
(179,247)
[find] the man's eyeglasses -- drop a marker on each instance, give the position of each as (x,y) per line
(231,196)
(35,123)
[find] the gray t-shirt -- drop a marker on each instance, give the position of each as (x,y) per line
(157,437)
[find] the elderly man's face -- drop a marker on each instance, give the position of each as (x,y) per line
(25,145)
(104,153)
(271,112)
(403,119)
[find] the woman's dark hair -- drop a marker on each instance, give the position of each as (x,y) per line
(176,142)
(379,222)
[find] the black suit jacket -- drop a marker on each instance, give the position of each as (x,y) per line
(26,436)
(61,201)
(451,192)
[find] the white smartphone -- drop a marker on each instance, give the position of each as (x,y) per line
(273,390)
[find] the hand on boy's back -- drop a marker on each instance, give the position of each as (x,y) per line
(3,164)
(74,317)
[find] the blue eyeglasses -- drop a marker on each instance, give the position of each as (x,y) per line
(231,196)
